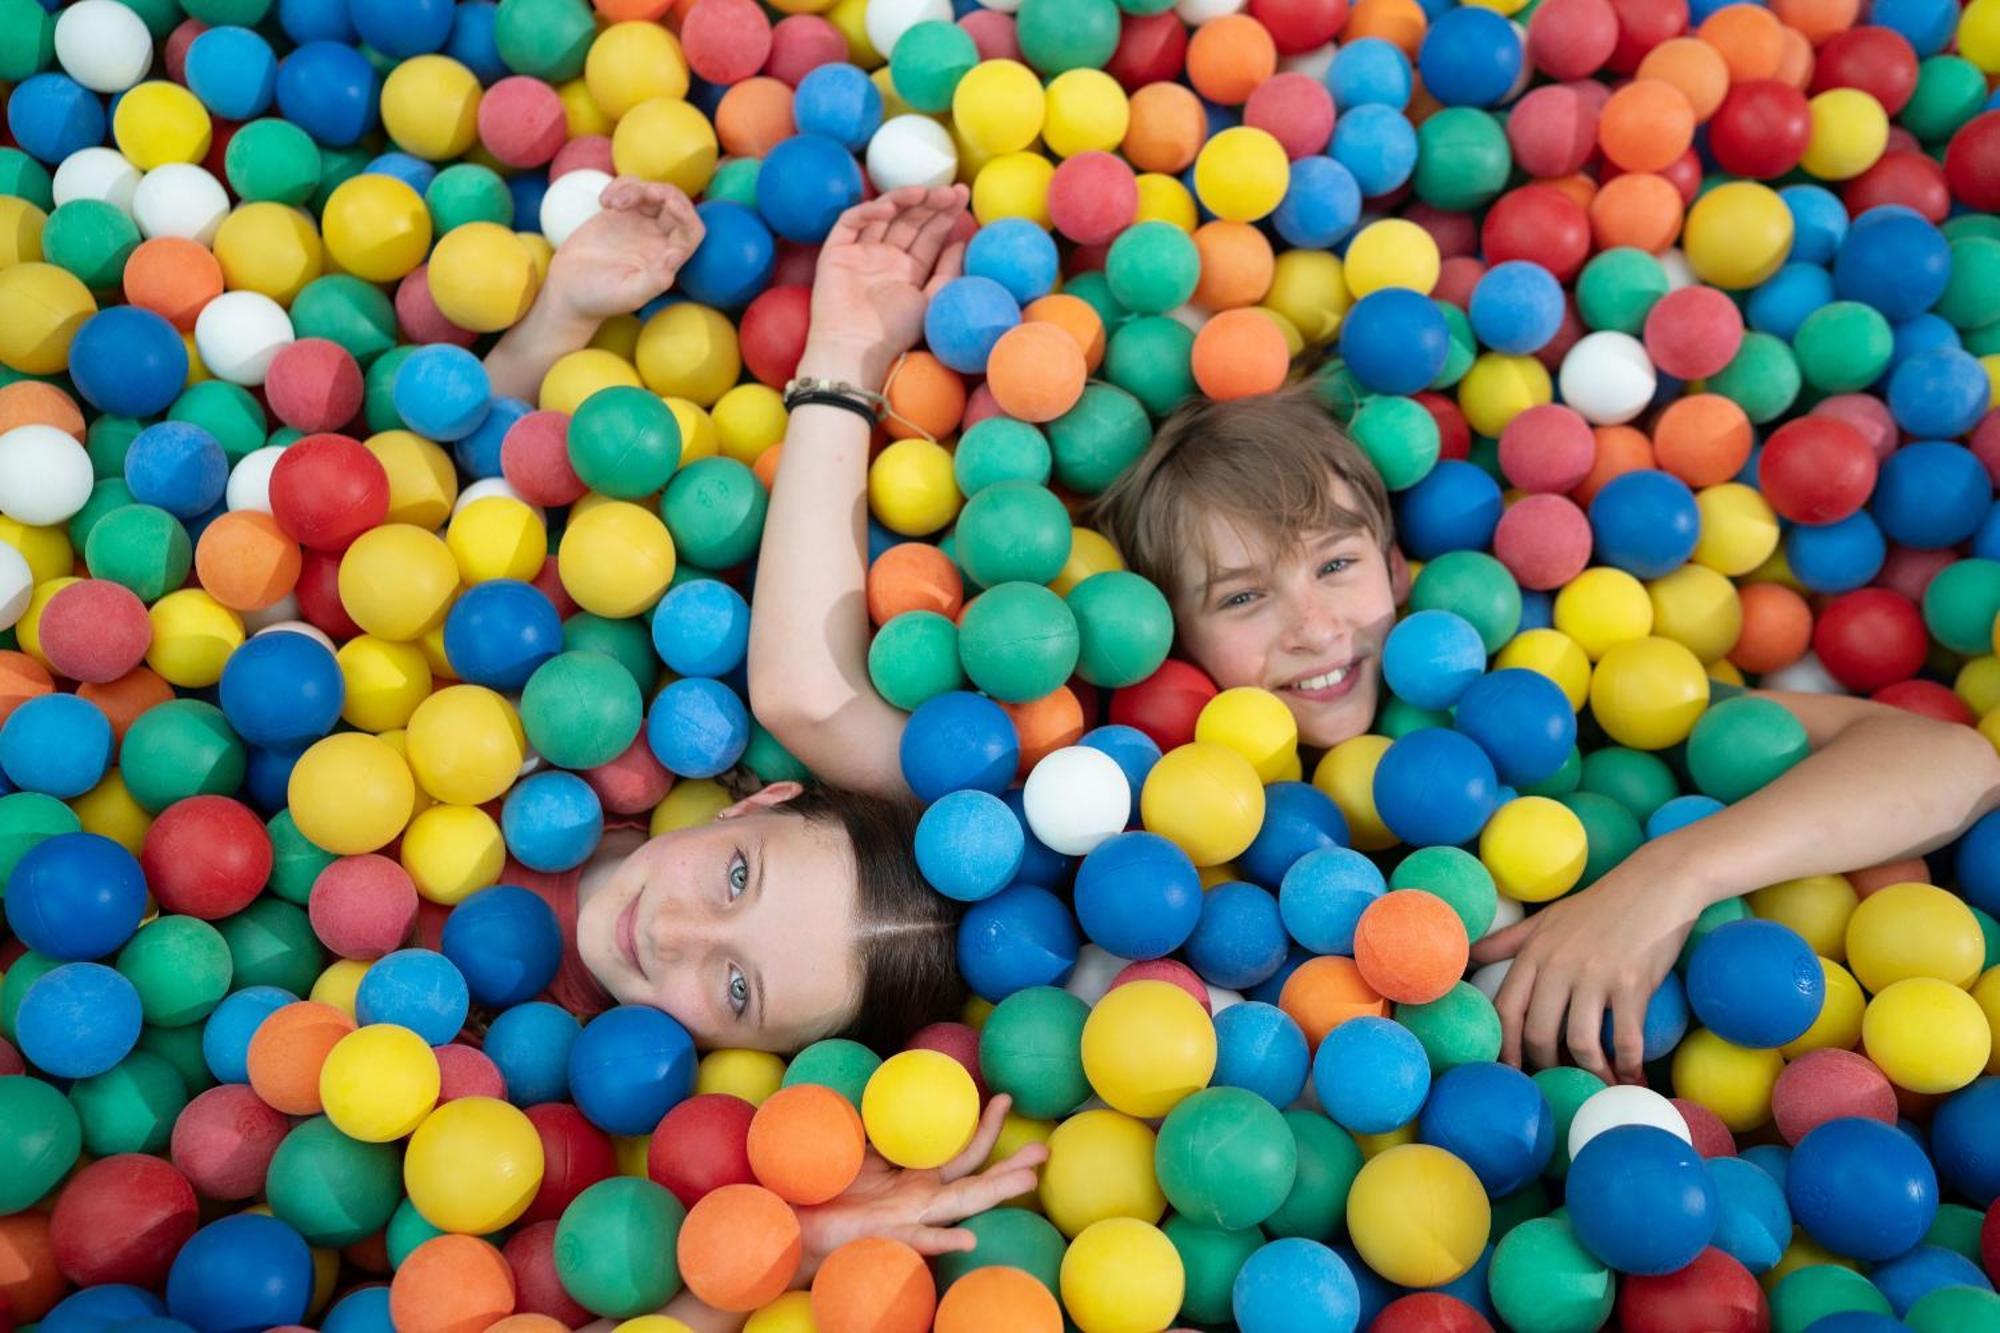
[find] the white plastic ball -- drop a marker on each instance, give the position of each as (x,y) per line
(180,199)
(45,475)
(103,45)
(102,174)
(887,20)
(486,487)
(313,632)
(1075,798)
(1190,316)
(1220,999)
(571,200)
(282,611)
(1624,1104)
(1805,676)
(1313,64)
(1487,980)
(1001,6)
(250,480)
(1194,13)
(911,150)
(1608,377)
(238,333)
(1680,273)
(17,585)
(1093,973)
(1507,913)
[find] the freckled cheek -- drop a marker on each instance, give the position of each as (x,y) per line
(1232,655)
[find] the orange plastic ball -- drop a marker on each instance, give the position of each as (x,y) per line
(1818,21)
(1694,67)
(1236,265)
(1229,56)
(1796,61)
(124,699)
(1036,372)
(1777,628)
(913,576)
(1398,22)
(286,1053)
(1638,209)
(528,1323)
(739,1247)
(1076,317)
(1620,449)
(1238,353)
(1167,130)
(998,1300)
(754,117)
(874,1285)
(806,1143)
(33,403)
(1750,37)
(174,278)
(1327,991)
(1045,725)
(30,1282)
(1646,125)
(927,394)
(1703,438)
(21,678)
(451,1284)
(618,11)
(1410,946)
(1909,870)
(244,562)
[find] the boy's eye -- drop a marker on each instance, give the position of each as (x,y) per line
(1336,565)
(739,992)
(739,875)
(1237,599)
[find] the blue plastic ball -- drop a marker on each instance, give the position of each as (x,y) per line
(363,1310)
(315,21)
(1965,1139)
(52,115)
(702,628)
(1678,813)
(267,775)
(1837,557)
(1298,818)
(1371,1075)
(1645,523)
(56,744)
(1138,896)
(805,183)
(1517,306)
(412,171)
(506,942)
(1020,937)
(531,1044)
(1039,863)
(417,989)
(1862,1189)
(75,896)
(838,102)
(1641,1200)
(629,1067)
(1892,258)
(1260,1049)
(1431,657)
(1456,507)
(965,319)
(498,632)
(329,90)
(1939,393)
(698,728)
(1909,1278)
(1239,939)
(1931,494)
(1294,1284)
(226,1033)
(1017,254)
(1321,205)
(1755,983)
(1369,72)
(1394,341)
(1753,1224)
(129,362)
(1781,303)
(1926,333)
(969,845)
(1493,1118)
(475,44)
(442,392)
(176,466)
(1435,786)
(246,1271)
(1133,749)
(100,1309)
(78,1020)
(1523,721)
(1470,57)
(478,454)
(733,262)
(1664,1024)
(952,741)
(1773,1159)
(402,28)
(233,71)
(1323,896)
(1926,24)
(552,821)
(1977,858)
(282,690)
(1377,144)
(1819,223)
(1272,988)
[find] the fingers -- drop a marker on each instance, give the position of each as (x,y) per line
(931,238)
(1512,1006)
(1503,943)
(848,227)
(980,1148)
(987,1190)
(1628,1036)
(1541,1029)
(1586,1032)
(933,1241)
(950,265)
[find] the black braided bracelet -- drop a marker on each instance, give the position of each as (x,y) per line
(829,398)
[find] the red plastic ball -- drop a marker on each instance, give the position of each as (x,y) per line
(534,458)
(1454,233)
(465,1072)
(538,1289)
(318,594)
(1454,435)
(635,781)
(1711,1137)
(588,152)
(726,41)
(1909,571)
(1972,163)
(1568,333)
(1457,277)
(1571,39)
(1429,1312)
(548,582)
(173,51)
(1293,108)
(800,44)
(1989,1240)
(1879,61)
(206,856)
(1761,129)
(773,332)
(1298,26)
(1870,638)
(224,1140)
(418,316)
(1151,49)
(1816,470)
(1927,698)
(575,1155)
(1915,180)
(10,1059)
(1547,448)
(1165,704)
(956,1040)
(702,1144)
(314,384)
(1643,25)
(122,1219)
(1543,540)
(1825,1085)
(1694,332)
(1538,223)
(363,906)
(1553,131)
(994,35)
(327,490)
(1092,197)
(1167,970)
(1715,1293)
(521,121)
(95,631)
(1867,414)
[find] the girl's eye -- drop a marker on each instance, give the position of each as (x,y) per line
(739,875)
(739,992)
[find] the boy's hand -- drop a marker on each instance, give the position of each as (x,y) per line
(1605,949)
(922,1208)
(879,268)
(627,254)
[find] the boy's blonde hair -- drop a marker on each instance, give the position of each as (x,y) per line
(1265,465)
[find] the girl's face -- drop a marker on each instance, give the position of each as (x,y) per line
(742,929)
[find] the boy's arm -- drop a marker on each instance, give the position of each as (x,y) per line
(1881,784)
(809,628)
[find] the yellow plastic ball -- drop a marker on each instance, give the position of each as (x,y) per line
(1122,1276)
(1648,693)
(430,107)
(581,373)
(1979,35)
(1100,1165)
(497,537)
(397,581)
(1374,1145)
(193,636)
(109,811)
(398,740)
(28,629)
(351,793)
(1818,907)
(1309,287)
(376,227)
(748,419)
(911,489)
(652,1323)
(269,248)
(850,17)
(1928,1036)
(920,1109)
(1551,653)
(581,114)
(1090,552)
(1499,388)
(1986,994)
(999,106)
(1601,608)
(1914,930)
(616,559)
(1392,252)
(1086,111)
(385,681)
(791,1312)
(633,62)
(41,308)
(1255,724)
(1418,1215)
(423,482)
(466,745)
(1737,235)
(1016,1133)
(692,803)
(1163,198)
(1347,774)
(1850,130)
(1241,175)
(1698,609)
(689,351)
(1978,683)
(1013,185)
(666,139)
(1147,1046)
(749,1075)
(1739,531)
(1733,1081)
(1204,798)
(473,1165)
(698,437)
(159,122)
(482,277)
(1838,1027)
(378,1083)
(629,1151)
(339,984)
(452,852)
(1535,848)
(21,226)
(1803,1252)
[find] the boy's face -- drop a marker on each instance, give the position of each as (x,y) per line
(1306,624)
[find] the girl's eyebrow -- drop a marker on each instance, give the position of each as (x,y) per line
(756,972)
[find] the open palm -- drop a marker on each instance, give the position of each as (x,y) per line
(629,252)
(880,266)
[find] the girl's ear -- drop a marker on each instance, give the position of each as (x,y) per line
(1399,574)
(765,798)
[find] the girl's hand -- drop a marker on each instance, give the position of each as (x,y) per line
(627,254)
(879,268)
(1607,947)
(922,1208)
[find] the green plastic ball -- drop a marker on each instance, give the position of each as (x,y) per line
(407,1229)
(1950,91)
(271,943)
(1061,35)
(1815,1291)
(40,1138)
(1151,357)
(1400,438)
(837,1063)
(1762,379)
(467,192)
(1328,1161)
(1094,290)
(1018,642)
(1462,159)
(272,161)
(1032,1049)
(92,239)
(22,176)
(27,43)
(1226,1158)
(1210,1260)
(1842,346)
(1460,1027)
(1971,298)
(1955,1310)
(770,760)
(1474,585)
(1956,1228)
(337,166)
(1610,833)
(1743,744)
(1152,267)
(1095,441)
(1567,1088)
(22,973)
(344,309)
(1638,780)
(1458,877)
(27,817)
(130,1107)
(333,1189)
(1398,718)
(1960,604)
(180,967)
(1561,782)
(234,13)
(1007,1238)
(1618,288)
(914,657)
(1543,1281)
(1000,449)
(1124,626)
(627,642)
(1523,1205)
(544,38)
(107,441)
(735,181)
(378,385)
(106,496)
(295,860)
(228,412)
(624,442)
(714,507)
(178,749)
(1013,531)
(615,1247)
(928,61)
(181,1048)
(1715,914)
(580,710)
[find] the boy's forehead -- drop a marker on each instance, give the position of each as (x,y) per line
(1225,541)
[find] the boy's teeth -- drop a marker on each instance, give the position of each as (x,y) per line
(1331,678)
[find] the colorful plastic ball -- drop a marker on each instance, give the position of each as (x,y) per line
(1121,1273)
(416,989)
(1861,1189)
(1418,1215)
(698,728)
(1138,896)
(1522,720)
(78,1020)
(1146,1046)
(1936,468)
(920,1109)
(1435,786)
(958,740)
(1516,307)
(1323,895)
(1926,1035)
(1394,341)
(442,392)
(75,896)
(805,183)
(629,1067)
(56,744)
(473,1165)
(1495,1119)
(1371,1075)
(378,1083)
(1640,1200)
(1204,798)
(128,362)
(1470,58)
(240,1271)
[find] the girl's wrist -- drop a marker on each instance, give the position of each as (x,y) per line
(857,361)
